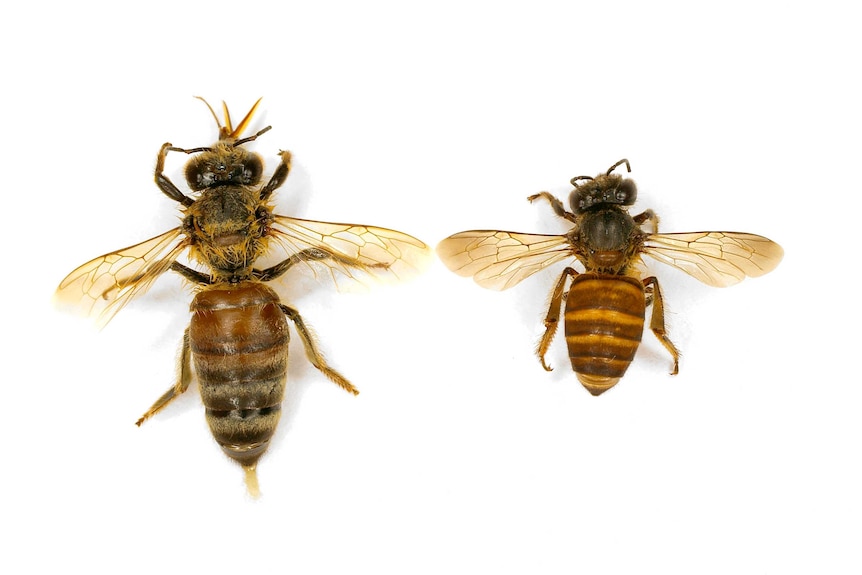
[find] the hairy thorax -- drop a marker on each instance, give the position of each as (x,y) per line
(228,226)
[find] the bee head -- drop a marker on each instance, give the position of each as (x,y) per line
(225,162)
(604,189)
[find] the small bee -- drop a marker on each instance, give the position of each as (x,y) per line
(238,335)
(605,305)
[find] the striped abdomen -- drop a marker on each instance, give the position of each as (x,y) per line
(604,323)
(238,338)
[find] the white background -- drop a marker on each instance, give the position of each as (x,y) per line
(461,455)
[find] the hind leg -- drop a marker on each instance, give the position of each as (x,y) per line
(656,323)
(313,354)
(184,378)
(552,319)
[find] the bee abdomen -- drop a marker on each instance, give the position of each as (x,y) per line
(604,322)
(238,338)
(244,434)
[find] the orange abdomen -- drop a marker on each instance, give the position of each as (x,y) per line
(238,338)
(604,323)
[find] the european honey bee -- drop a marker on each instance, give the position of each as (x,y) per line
(237,339)
(605,305)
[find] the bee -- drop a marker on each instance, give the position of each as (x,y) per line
(238,335)
(605,304)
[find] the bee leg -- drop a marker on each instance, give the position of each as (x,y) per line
(182,384)
(647,216)
(308,255)
(556,205)
(193,276)
(164,183)
(280,268)
(648,300)
(278,177)
(552,319)
(656,322)
(311,351)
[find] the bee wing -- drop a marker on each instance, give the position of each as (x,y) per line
(345,249)
(499,260)
(100,288)
(718,259)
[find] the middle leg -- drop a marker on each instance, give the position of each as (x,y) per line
(310,255)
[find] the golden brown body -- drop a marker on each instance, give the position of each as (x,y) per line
(238,335)
(604,321)
(238,338)
(605,305)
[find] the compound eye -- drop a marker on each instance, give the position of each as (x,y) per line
(199,174)
(627,193)
(581,201)
(195,178)
(252,168)
(590,196)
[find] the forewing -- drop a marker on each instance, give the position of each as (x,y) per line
(100,288)
(499,260)
(351,251)
(718,259)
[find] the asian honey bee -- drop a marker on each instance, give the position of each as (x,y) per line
(605,305)
(237,339)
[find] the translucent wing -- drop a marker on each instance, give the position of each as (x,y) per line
(499,260)
(717,259)
(100,288)
(342,250)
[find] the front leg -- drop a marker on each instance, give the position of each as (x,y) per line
(278,177)
(164,183)
(556,205)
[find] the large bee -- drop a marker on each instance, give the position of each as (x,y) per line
(605,304)
(237,339)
